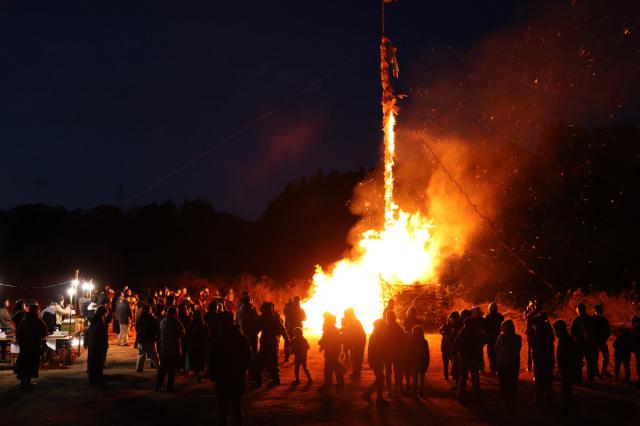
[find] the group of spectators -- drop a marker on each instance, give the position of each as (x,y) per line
(178,333)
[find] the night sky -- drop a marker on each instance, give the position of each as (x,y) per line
(98,94)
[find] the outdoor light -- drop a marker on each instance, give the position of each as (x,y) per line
(75,282)
(85,286)
(71,291)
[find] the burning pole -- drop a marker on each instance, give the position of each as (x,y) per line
(388,68)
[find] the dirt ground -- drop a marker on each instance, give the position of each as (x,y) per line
(64,397)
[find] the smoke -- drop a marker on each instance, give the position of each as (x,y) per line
(484,113)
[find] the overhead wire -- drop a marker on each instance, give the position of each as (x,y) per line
(487,220)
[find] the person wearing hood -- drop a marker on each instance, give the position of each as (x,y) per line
(376,356)
(418,359)
(228,366)
(97,343)
(507,362)
(492,326)
(29,335)
(467,348)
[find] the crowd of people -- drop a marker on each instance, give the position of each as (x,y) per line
(231,341)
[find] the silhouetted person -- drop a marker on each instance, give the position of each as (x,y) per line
(158,315)
(171,331)
(330,344)
(411,320)
(376,355)
(568,357)
(418,359)
(299,349)
(602,332)
(247,319)
(635,343)
(543,359)
(185,319)
(228,366)
(147,333)
(6,325)
(294,316)
(354,340)
(622,347)
(507,363)
(582,330)
(396,342)
(198,337)
(492,326)
(124,316)
(29,335)
(97,343)
(391,307)
(270,328)
(19,313)
(532,311)
(449,331)
(468,350)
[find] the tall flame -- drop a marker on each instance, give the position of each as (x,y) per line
(399,253)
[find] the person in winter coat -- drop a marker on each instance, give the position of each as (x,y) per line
(299,348)
(622,347)
(97,343)
(354,341)
(543,359)
(568,357)
(396,342)
(171,332)
(330,344)
(19,312)
(602,332)
(185,319)
(294,316)
(418,359)
(197,345)
(270,328)
(124,316)
(376,355)
(449,331)
(147,333)
(583,331)
(29,335)
(247,319)
(468,349)
(228,365)
(492,326)
(507,362)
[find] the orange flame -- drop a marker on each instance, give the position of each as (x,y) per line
(398,254)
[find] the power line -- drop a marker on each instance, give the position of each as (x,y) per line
(475,208)
(238,132)
(34,286)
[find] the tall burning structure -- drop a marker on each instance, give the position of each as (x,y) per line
(400,252)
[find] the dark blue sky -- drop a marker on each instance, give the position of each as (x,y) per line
(94,94)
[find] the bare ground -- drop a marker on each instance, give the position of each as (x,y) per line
(65,397)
